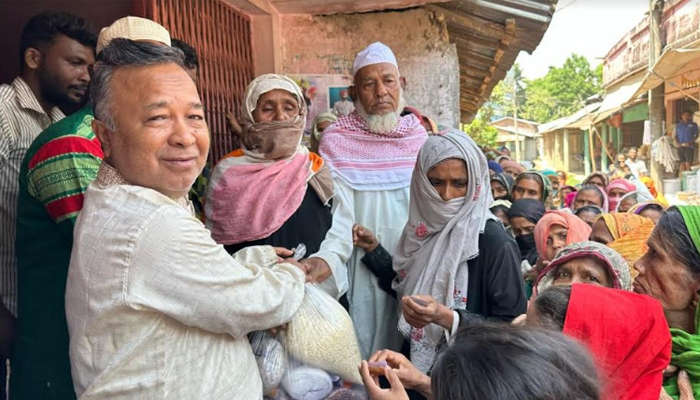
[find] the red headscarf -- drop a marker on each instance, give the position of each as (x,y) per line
(579,231)
(628,336)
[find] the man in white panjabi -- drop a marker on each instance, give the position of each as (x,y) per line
(155,308)
(372,153)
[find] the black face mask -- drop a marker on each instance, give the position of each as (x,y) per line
(526,243)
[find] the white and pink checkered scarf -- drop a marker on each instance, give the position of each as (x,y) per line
(371,161)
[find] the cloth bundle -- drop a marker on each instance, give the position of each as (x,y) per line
(663,152)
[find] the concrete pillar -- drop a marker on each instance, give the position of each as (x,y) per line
(557,150)
(567,153)
(603,151)
(586,153)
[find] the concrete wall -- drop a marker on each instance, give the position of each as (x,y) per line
(328,44)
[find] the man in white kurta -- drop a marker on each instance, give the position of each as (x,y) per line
(372,153)
(155,308)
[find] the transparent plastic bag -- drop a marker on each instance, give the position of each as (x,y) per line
(317,347)
(321,334)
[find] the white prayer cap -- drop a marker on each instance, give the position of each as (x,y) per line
(375,53)
(134,28)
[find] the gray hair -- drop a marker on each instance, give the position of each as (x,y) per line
(124,53)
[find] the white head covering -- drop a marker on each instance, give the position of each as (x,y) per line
(375,53)
(267,83)
(440,236)
(134,28)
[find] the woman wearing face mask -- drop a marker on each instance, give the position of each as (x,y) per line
(452,249)
(523,216)
(616,189)
(273,191)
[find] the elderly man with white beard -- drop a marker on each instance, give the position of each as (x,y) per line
(372,153)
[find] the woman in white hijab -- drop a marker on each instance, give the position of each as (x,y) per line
(273,191)
(454,262)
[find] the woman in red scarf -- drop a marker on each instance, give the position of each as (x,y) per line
(627,334)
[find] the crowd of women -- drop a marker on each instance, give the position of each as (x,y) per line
(535,289)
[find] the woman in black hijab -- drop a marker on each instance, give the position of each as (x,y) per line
(501,185)
(523,216)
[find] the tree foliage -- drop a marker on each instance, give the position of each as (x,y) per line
(480,129)
(559,93)
(555,95)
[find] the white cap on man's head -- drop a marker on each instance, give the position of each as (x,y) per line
(375,53)
(134,28)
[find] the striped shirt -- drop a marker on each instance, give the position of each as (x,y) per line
(21,120)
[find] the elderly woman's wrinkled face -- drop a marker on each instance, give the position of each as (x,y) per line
(161,140)
(601,233)
(527,189)
(664,277)
(449,178)
(587,197)
(556,240)
(276,105)
(589,269)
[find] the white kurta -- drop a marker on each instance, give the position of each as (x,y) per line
(157,310)
(373,311)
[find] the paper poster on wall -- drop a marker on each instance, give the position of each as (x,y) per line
(322,93)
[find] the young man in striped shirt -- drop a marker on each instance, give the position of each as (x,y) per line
(56,52)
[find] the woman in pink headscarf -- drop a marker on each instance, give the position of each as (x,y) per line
(616,189)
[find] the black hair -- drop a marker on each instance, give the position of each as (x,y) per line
(594,209)
(677,240)
(191,59)
(43,28)
(551,305)
(495,362)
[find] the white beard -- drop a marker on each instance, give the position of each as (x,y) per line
(382,124)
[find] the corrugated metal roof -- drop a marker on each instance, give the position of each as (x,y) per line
(489,35)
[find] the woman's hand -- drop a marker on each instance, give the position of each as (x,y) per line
(684,388)
(396,392)
(409,375)
(421,310)
(520,320)
(364,238)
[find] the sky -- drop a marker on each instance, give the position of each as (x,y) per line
(586,27)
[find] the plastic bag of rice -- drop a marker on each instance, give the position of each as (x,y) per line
(321,334)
